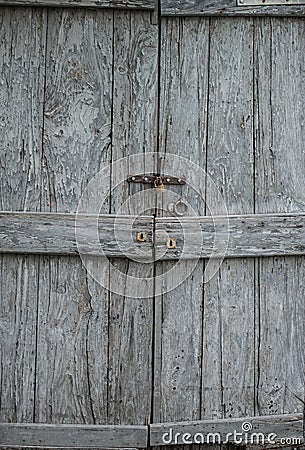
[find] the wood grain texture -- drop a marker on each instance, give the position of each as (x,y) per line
(77,104)
(71,382)
(228,341)
(282,425)
(135,91)
(67,357)
(56,234)
(249,235)
(225,8)
(269,2)
(72,436)
(18,318)
(280,183)
(22,36)
(183,98)
(122,4)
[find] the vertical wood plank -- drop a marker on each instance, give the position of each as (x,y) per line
(64,349)
(78,101)
(228,381)
(23,39)
(183,100)
(22,64)
(280,187)
(73,308)
(18,319)
(134,133)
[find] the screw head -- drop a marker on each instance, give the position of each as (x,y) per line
(145,179)
(133,178)
(168,180)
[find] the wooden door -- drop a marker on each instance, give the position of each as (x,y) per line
(230,89)
(212,95)
(79,91)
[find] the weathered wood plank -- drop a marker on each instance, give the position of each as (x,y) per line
(22,61)
(56,234)
(122,4)
(280,187)
(184,74)
(225,8)
(72,436)
(228,297)
(78,101)
(283,426)
(18,317)
(269,2)
(135,88)
(22,52)
(245,235)
(248,235)
(72,344)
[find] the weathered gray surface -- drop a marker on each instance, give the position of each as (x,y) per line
(252,235)
(244,235)
(78,99)
(225,8)
(135,91)
(22,73)
(72,343)
(22,36)
(283,426)
(82,355)
(178,332)
(280,187)
(18,306)
(269,2)
(228,383)
(55,234)
(72,436)
(78,369)
(130,4)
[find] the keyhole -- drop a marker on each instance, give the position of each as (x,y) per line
(141,237)
(171,243)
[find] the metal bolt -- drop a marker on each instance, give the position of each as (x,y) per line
(145,179)
(168,180)
(133,178)
(179,180)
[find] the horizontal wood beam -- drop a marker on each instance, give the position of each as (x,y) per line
(14,435)
(239,236)
(236,236)
(222,430)
(70,436)
(121,4)
(225,8)
(40,233)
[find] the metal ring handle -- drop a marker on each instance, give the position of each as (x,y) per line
(173,207)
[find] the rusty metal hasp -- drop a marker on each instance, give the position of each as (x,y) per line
(157,180)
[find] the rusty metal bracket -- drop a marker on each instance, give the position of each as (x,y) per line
(157,180)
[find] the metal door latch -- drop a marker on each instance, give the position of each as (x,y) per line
(157,180)
(269,2)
